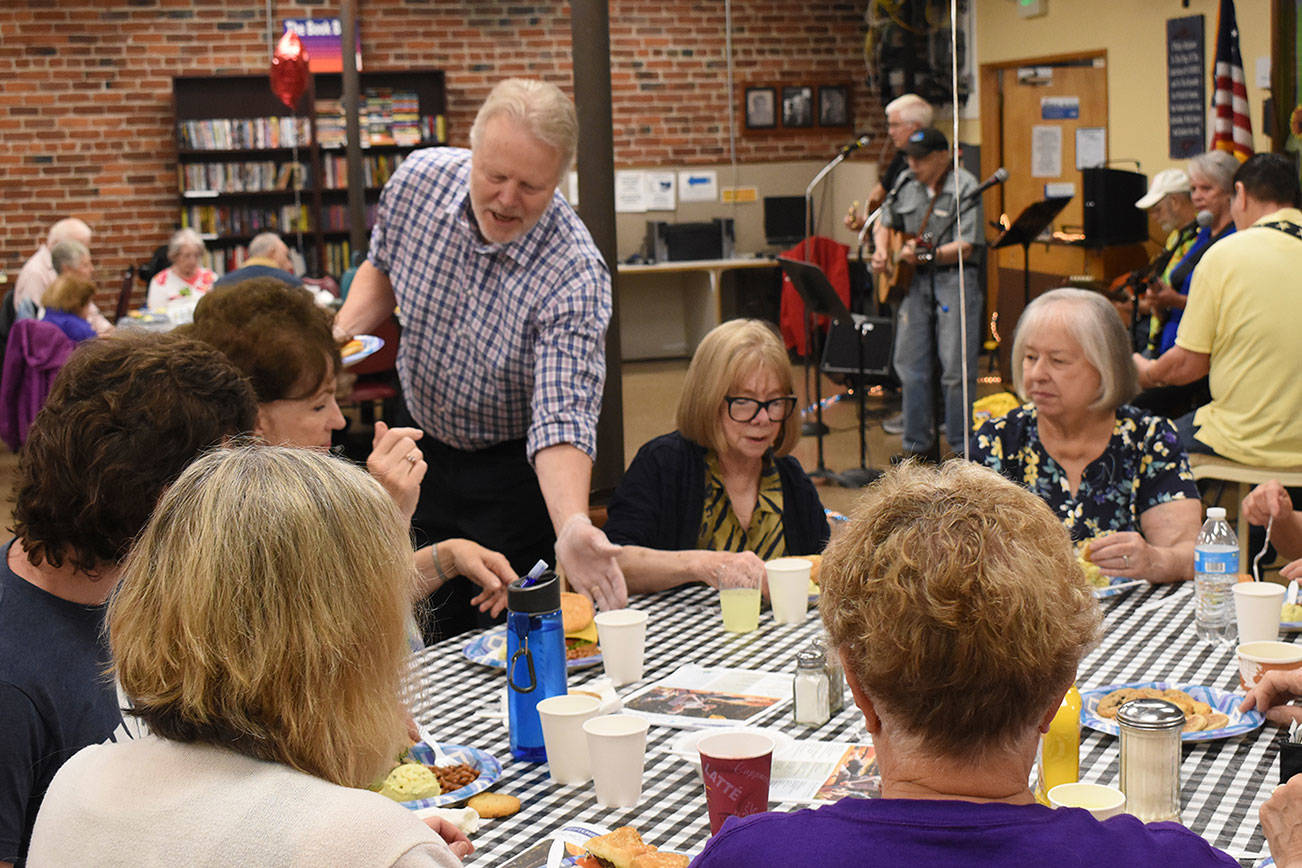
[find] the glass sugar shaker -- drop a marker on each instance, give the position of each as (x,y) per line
(1150,758)
(811,705)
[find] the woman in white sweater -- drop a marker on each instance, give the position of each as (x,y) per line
(259,632)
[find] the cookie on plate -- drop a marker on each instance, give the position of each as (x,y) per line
(494,805)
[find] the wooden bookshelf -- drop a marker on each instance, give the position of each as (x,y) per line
(237,146)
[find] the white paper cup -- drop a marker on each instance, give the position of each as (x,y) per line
(1257,608)
(562,719)
(617,751)
(622,635)
(1101,801)
(789,589)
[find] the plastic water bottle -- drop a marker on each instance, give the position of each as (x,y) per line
(1216,569)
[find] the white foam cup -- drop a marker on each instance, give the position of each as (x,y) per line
(617,751)
(562,719)
(622,635)
(789,589)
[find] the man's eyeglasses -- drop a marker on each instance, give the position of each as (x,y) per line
(746,409)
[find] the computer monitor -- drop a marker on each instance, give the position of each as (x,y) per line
(784,220)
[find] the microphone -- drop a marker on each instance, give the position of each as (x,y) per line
(1204,218)
(861,142)
(1000,175)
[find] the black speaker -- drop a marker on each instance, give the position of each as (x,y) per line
(1109,205)
(841,352)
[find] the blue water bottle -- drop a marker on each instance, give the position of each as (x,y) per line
(535,659)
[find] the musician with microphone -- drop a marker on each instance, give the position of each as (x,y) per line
(905,115)
(918,243)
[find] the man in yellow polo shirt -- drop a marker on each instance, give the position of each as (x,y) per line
(1243,325)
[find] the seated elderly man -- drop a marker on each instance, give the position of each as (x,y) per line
(70,239)
(268,257)
(124,418)
(955,602)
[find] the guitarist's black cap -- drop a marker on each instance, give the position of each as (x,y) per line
(925,141)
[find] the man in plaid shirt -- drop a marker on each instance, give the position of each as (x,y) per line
(504,301)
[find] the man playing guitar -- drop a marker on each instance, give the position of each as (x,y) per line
(924,200)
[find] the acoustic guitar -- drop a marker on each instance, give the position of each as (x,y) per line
(894,280)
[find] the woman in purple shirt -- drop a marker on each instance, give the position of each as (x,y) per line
(67,305)
(959,612)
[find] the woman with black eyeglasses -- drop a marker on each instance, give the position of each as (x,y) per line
(720,495)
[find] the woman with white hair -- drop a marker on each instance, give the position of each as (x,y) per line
(1117,478)
(186,277)
(1211,186)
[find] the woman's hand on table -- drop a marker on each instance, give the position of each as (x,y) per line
(1126,555)
(1271,694)
(734,570)
(397,464)
(456,839)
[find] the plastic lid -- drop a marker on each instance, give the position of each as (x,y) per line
(1153,714)
(544,595)
(1215,512)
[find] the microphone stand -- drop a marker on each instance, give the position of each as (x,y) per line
(819,429)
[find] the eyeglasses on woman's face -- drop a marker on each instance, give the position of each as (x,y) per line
(746,409)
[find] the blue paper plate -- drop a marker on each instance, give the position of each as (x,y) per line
(489,771)
(1220,700)
(370,346)
(1117,586)
(489,649)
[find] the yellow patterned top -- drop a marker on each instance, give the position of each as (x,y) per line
(721,531)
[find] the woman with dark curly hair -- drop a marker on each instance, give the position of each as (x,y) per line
(125,416)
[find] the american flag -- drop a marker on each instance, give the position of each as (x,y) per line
(1231,124)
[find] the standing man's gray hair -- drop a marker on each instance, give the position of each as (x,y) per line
(541,108)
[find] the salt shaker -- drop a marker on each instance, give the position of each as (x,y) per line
(1150,758)
(811,704)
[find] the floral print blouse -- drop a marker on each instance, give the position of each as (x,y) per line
(1142,466)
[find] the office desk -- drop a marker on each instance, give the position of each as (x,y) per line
(666,308)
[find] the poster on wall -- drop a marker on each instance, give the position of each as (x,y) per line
(323,40)
(1046,151)
(660,191)
(1186,102)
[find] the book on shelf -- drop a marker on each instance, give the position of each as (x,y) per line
(245,220)
(234,134)
(208,179)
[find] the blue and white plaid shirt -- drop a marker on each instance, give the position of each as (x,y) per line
(500,341)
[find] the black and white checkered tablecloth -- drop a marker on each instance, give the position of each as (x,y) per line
(1149,636)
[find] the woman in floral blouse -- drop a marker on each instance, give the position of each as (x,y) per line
(1117,478)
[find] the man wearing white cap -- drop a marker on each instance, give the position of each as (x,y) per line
(1169,200)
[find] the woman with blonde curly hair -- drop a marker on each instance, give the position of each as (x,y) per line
(259,631)
(722,494)
(960,614)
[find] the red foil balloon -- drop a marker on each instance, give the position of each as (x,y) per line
(289,69)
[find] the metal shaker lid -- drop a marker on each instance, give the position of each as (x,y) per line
(1150,714)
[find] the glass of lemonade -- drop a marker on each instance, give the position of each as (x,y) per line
(739,600)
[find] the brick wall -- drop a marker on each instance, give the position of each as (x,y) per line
(86,123)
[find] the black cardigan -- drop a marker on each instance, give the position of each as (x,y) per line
(659,502)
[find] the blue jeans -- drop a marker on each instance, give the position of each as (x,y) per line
(915,354)
(1184,428)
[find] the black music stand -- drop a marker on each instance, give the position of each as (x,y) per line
(819,297)
(1033,220)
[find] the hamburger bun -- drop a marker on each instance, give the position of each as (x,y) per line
(576,611)
(817,563)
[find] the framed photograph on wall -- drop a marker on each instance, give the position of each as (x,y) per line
(761,108)
(834,105)
(798,106)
